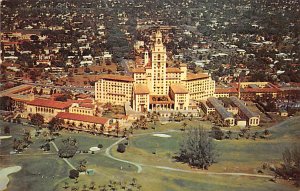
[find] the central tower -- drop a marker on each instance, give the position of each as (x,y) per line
(159,62)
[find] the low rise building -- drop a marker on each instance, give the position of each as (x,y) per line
(85,123)
(252,118)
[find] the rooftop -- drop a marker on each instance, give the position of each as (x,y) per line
(139,70)
(241,105)
(50,103)
(15,90)
(226,90)
(117,77)
(173,70)
(178,89)
(191,76)
(84,118)
(220,108)
(141,89)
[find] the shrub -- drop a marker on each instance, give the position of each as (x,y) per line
(121,148)
(100,146)
(290,169)
(74,174)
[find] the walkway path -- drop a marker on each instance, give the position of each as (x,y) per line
(139,166)
(107,153)
(4,180)
(66,160)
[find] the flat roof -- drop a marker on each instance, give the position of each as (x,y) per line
(191,76)
(139,70)
(114,77)
(178,89)
(141,89)
(173,70)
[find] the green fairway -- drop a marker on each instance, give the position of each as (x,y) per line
(46,171)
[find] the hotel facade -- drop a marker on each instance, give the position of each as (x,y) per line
(154,86)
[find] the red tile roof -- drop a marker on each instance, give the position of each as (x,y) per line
(50,103)
(87,105)
(84,118)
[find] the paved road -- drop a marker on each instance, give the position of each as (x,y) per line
(107,153)
(139,165)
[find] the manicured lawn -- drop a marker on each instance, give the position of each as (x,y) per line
(85,140)
(49,172)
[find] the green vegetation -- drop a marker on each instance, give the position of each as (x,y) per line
(68,149)
(290,169)
(243,155)
(197,149)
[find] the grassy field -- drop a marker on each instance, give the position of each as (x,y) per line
(42,171)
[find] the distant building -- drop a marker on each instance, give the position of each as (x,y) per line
(249,90)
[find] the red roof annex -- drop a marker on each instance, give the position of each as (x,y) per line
(84,118)
(50,103)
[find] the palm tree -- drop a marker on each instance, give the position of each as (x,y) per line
(66,185)
(191,117)
(92,185)
(117,128)
(102,129)
(84,187)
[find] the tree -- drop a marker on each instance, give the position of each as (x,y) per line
(197,149)
(100,146)
(217,133)
(6,103)
(117,128)
(82,165)
(34,38)
(68,149)
(121,148)
(6,129)
(55,124)
(184,126)
(66,186)
(73,174)
(37,119)
(290,169)
(92,185)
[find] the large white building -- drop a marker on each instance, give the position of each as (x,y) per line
(154,86)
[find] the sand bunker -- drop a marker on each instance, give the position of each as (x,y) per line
(4,180)
(94,149)
(161,135)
